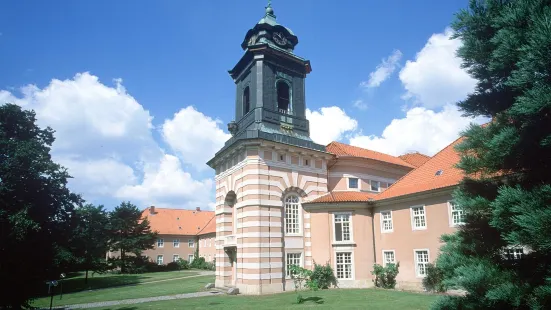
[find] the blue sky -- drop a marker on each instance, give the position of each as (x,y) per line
(141,93)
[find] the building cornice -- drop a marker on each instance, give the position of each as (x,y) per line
(336,205)
(416,196)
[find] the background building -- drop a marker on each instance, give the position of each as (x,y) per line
(181,232)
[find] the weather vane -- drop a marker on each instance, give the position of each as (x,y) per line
(269,3)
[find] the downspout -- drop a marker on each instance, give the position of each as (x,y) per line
(373,233)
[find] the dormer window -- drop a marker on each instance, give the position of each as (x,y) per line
(353,183)
(283,97)
(246,100)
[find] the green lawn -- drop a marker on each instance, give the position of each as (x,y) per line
(92,292)
(327,299)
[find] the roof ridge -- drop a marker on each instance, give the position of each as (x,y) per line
(370,150)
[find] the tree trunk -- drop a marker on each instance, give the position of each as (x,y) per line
(86,278)
(122,261)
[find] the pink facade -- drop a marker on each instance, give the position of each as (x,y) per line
(259,233)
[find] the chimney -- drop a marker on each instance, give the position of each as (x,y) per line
(152,209)
(198,209)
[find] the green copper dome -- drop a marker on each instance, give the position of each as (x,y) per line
(263,31)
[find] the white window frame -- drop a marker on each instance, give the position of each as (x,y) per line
(382,221)
(160,243)
(413,217)
(416,262)
(353,188)
(190,258)
(191,243)
(299,216)
(450,214)
(301,262)
(175,256)
(353,269)
(371,186)
(511,251)
(161,260)
(351,228)
(176,243)
(393,255)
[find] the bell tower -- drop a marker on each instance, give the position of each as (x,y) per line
(270,87)
(268,167)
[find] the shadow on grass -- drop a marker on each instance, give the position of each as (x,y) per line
(314,299)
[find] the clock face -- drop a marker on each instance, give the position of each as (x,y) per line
(279,38)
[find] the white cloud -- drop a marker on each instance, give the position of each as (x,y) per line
(422,130)
(383,70)
(167,184)
(104,138)
(435,78)
(329,124)
(195,136)
(360,104)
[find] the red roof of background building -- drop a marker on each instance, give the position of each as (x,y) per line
(416,159)
(344,196)
(180,221)
(425,177)
(345,150)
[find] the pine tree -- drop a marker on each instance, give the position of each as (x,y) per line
(507,194)
(130,233)
(36,208)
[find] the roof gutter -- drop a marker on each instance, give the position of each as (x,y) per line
(417,195)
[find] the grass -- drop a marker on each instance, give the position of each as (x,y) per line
(75,291)
(372,299)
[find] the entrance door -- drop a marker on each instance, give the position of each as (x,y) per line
(233,259)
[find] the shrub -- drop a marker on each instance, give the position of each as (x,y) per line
(184,264)
(322,276)
(433,281)
(385,277)
(200,263)
(173,266)
(301,279)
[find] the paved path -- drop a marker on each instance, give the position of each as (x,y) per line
(200,274)
(138,300)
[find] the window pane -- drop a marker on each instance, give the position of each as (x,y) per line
(375,185)
(352,182)
(292,216)
(344,265)
(338,231)
(292,259)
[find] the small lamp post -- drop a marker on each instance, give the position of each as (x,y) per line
(51,291)
(61,277)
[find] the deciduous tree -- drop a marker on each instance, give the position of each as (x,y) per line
(36,207)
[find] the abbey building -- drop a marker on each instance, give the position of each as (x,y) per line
(282,199)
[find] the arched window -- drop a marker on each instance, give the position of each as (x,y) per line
(246,100)
(283,96)
(292,214)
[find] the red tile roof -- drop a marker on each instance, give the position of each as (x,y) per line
(180,221)
(343,196)
(345,150)
(425,177)
(416,159)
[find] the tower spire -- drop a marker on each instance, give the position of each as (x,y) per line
(269,9)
